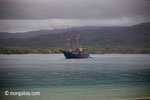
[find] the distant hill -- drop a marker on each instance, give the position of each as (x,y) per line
(30,34)
(137,36)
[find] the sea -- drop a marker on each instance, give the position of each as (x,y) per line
(52,77)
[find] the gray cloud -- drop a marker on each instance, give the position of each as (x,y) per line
(14,26)
(73,12)
(71,9)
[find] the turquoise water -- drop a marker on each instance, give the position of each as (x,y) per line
(102,77)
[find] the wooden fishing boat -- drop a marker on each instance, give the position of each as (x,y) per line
(76,53)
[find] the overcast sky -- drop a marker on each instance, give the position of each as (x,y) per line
(28,15)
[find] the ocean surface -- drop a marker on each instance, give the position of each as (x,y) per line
(101,77)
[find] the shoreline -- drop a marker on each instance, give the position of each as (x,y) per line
(90,54)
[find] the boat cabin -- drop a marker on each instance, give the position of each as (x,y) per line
(79,51)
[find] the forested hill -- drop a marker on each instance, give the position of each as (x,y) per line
(134,36)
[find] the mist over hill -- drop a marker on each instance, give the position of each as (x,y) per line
(136,36)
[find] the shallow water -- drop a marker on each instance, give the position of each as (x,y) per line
(102,77)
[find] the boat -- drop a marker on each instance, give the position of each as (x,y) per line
(76,53)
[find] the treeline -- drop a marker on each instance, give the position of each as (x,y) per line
(91,49)
(21,50)
(117,50)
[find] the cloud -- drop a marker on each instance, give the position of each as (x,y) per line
(72,9)
(14,26)
(24,15)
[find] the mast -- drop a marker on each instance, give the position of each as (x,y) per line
(77,41)
(68,38)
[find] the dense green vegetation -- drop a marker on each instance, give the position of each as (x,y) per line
(91,49)
(117,50)
(21,50)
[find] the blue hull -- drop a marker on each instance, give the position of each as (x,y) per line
(73,56)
